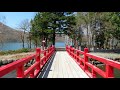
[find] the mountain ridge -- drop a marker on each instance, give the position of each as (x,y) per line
(8,34)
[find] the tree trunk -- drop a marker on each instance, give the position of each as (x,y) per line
(46,42)
(87,37)
(116,45)
(54,37)
(23,44)
(24,39)
(92,41)
(36,43)
(74,40)
(77,44)
(112,43)
(29,40)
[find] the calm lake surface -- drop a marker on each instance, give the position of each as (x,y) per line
(16,45)
(59,44)
(12,46)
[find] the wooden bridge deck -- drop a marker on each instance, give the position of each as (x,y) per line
(62,65)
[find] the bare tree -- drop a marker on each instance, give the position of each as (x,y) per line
(25,27)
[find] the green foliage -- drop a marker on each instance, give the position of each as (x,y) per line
(106,23)
(46,24)
(115,20)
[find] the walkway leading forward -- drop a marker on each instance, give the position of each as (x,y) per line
(62,65)
(59,64)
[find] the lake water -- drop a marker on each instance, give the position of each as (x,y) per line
(59,44)
(15,46)
(12,46)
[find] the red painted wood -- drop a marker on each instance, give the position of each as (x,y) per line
(77,56)
(33,70)
(109,71)
(32,74)
(110,64)
(38,52)
(93,73)
(20,72)
(45,57)
(85,58)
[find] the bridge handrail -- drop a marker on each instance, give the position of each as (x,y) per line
(34,69)
(84,63)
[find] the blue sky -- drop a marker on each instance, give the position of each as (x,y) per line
(14,18)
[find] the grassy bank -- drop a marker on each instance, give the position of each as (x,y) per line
(16,51)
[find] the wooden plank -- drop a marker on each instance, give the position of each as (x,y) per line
(60,74)
(73,71)
(73,66)
(55,66)
(50,74)
(63,66)
(69,68)
(78,70)
(70,75)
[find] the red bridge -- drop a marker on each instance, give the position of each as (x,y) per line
(50,63)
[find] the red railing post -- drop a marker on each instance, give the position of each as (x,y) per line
(77,56)
(45,56)
(20,71)
(93,74)
(38,54)
(85,59)
(69,50)
(32,74)
(47,53)
(73,52)
(48,50)
(109,71)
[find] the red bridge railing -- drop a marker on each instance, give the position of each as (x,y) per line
(84,63)
(34,69)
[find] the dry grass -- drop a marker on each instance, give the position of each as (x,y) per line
(107,55)
(15,56)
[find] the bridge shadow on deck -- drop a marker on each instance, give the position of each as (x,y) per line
(46,69)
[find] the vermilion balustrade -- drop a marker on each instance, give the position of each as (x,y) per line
(84,63)
(34,69)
